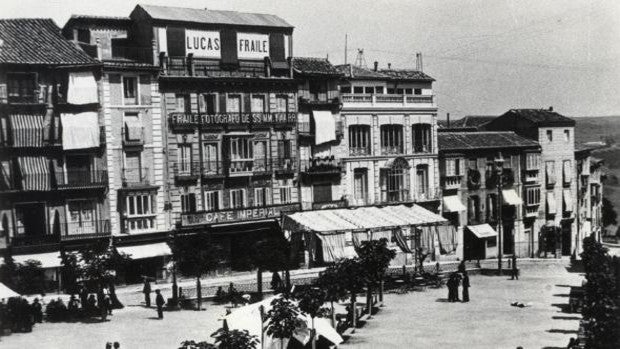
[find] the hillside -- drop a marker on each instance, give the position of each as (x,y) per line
(593,129)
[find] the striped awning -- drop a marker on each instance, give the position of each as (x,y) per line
(35,172)
(27,129)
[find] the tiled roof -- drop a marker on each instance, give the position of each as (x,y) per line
(452,141)
(198,15)
(314,66)
(542,117)
(354,72)
(406,74)
(469,121)
(37,41)
(96,21)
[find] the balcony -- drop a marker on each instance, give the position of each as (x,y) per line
(507,179)
(451,182)
(323,165)
(329,99)
(531,176)
(139,54)
(68,231)
(212,68)
(86,230)
(306,129)
(21,239)
(387,100)
(427,195)
(212,168)
(133,177)
(285,165)
(248,167)
(191,120)
(385,150)
(184,171)
(422,148)
(359,151)
(81,179)
(394,196)
(531,211)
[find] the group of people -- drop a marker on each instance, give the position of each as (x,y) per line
(159,299)
(460,277)
(18,315)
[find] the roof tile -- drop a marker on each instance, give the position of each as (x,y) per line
(453,141)
(314,66)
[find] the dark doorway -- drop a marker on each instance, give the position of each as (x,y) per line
(566,239)
(474,247)
(508,238)
(56,224)
(31,219)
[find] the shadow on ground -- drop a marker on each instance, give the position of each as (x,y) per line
(555,330)
(566,317)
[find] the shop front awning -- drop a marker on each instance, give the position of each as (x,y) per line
(482,230)
(6,293)
(80,131)
(453,204)
(27,129)
(48,259)
(325,126)
(511,197)
(158,249)
(35,172)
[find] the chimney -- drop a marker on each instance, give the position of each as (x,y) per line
(418,61)
(448,119)
(551,108)
(376,65)
(389,66)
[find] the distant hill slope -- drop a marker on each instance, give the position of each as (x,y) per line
(593,129)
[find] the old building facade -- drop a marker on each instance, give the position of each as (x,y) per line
(53,153)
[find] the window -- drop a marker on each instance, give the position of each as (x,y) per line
(322,192)
(417,91)
(21,87)
(421,138)
(391,139)
(212,200)
(79,169)
(532,161)
(379,89)
(233,104)
(258,104)
(139,212)
(473,164)
(360,184)
(261,197)
(473,209)
(237,198)
(400,91)
(210,157)
(369,90)
(184,103)
(209,103)
(532,196)
(188,202)
(408,91)
(345,89)
(185,159)
(422,179)
(453,167)
(281,104)
(83,35)
(260,155)
(549,135)
(240,150)
(394,185)
(550,172)
(315,88)
(492,207)
(133,172)
(566,135)
(358,89)
(359,140)
(551,203)
(286,195)
(81,218)
(130,90)
(390,91)
(567,171)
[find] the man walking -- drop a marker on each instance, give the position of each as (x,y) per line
(465,287)
(515,271)
(159,302)
(147,292)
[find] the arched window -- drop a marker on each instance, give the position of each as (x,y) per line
(395,181)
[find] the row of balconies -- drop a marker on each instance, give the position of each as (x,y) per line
(386,99)
(70,179)
(51,142)
(68,231)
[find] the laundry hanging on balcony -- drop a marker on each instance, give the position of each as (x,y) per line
(324,126)
(80,131)
(35,173)
(27,129)
(82,88)
(448,240)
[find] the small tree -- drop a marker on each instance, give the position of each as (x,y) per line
(29,277)
(191,344)
(195,256)
(311,302)
(282,319)
(271,254)
(351,277)
(97,266)
(375,257)
(234,339)
(610,216)
(329,281)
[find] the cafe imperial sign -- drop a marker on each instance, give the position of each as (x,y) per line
(207,44)
(249,214)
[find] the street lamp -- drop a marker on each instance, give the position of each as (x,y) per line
(499,169)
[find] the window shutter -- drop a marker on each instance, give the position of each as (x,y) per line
(222,102)
(229,47)
(145,90)
(247,103)
(176,42)
(192,202)
(276,47)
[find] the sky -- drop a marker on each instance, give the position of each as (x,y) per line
(487,56)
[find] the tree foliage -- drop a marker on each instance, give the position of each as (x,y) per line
(600,308)
(195,255)
(311,300)
(610,216)
(234,339)
(350,274)
(375,258)
(24,278)
(283,318)
(271,254)
(330,282)
(191,344)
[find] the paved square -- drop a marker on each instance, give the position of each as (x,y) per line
(414,320)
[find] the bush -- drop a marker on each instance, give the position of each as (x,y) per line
(56,310)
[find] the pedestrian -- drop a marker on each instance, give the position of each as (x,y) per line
(91,305)
(159,302)
(457,281)
(105,307)
(37,311)
(108,345)
(515,271)
(117,345)
(276,282)
(84,297)
(461,268)
(465,287)
(450,285)
(147,292)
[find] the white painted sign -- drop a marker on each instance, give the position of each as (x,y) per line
(252,46)
(202,43)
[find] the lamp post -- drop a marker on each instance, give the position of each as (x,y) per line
(499,169)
